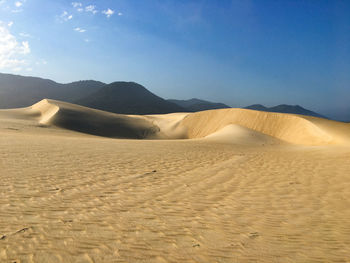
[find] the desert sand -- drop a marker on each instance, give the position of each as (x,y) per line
(230,185)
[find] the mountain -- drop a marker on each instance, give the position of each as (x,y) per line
(258,107)
(119,97)
(20,91)
(128,98)
(283,108)
(194,105)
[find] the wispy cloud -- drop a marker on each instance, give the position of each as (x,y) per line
(109,12)
(41,62)
(25,35)
(18,4)
(91,8)
(12,52)
(9,24)
(80,30)
(65,16)
(77,4)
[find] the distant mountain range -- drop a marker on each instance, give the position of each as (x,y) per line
(118,97)
(128,98)
(19,91)
(283,108)
(194,105)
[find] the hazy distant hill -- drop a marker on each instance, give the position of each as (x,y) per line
(119,97)
(257,107)
(198,105)
(128,98)
(283,108)
(20,91)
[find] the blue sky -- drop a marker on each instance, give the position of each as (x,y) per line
(236,52)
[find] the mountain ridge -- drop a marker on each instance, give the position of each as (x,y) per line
(285,108)
(128,98)
(18,91)
(195,104)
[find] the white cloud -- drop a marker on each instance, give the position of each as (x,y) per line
(41,62)
(12,52)
(120,13)
(10,24)
(65,16)
(25,48)
(80,30)
(18,4)
(91,8)
(76,4)
(109,12)
(16,10)
(29,69)
(25,35)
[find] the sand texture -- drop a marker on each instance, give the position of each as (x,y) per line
(226,185)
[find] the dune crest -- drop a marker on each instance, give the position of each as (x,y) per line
(296,129)
(46,109)
(240,126)
(95,122)
(236,134)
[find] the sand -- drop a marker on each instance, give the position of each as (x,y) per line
(234,191)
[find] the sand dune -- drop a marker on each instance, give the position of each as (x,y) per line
(240,189)
(296,129)
(237,134)
(169,125)
(91,121)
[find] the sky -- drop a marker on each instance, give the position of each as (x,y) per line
(235,52)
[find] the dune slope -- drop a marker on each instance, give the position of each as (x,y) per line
(236,134)
(291,128)
(95,122)
(224,125)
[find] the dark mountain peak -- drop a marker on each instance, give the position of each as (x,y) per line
(285,108)
(85,82)
(125,85)
(123,90)
(7,79)
(259,107)
(128,98)
(195,104)
(22,91)
(195,100)
(288,106)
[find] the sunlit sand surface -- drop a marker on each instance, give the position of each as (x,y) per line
(246,187)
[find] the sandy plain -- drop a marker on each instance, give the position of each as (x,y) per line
(216,186)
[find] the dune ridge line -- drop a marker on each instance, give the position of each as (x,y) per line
(223,123)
